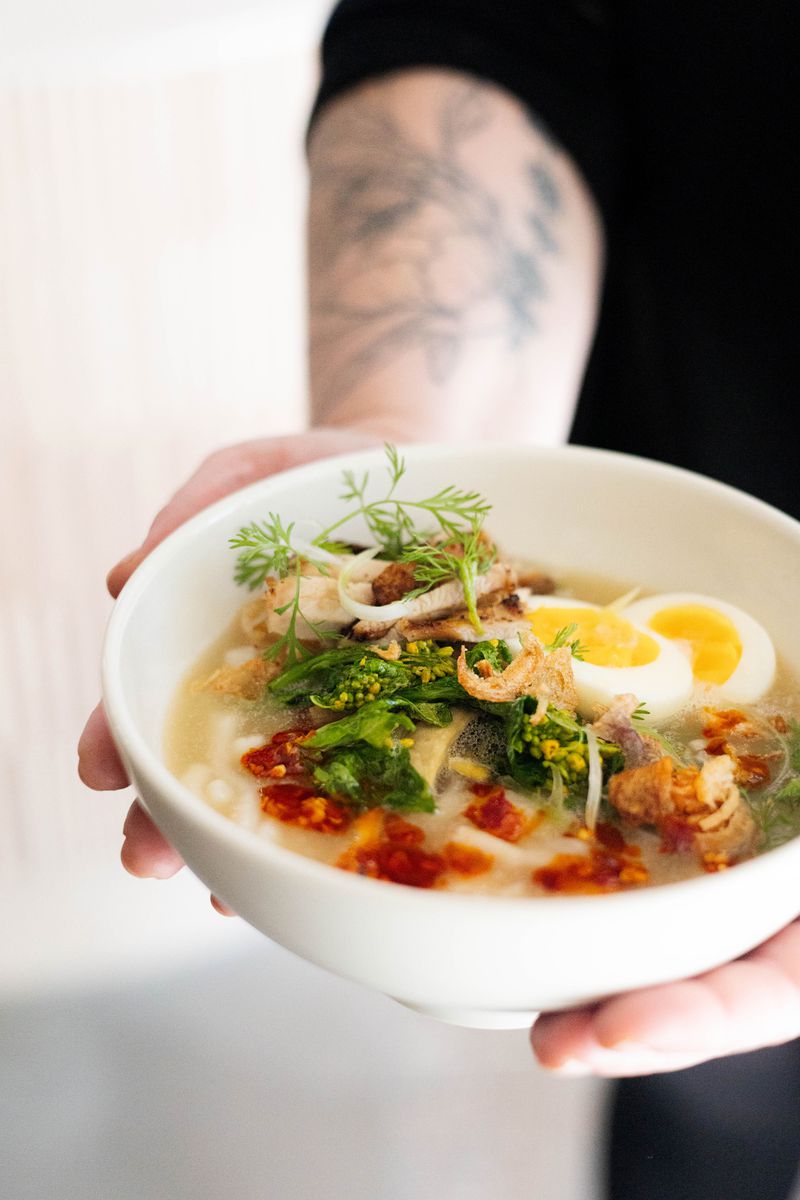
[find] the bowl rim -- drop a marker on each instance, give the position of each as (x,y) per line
(134,747)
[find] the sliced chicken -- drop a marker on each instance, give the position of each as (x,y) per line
(319,604)
(500,618)
(442,600)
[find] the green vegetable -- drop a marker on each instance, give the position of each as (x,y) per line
(428,660)
(266,548)
(362,682)
(358,761)
(495,652)
(455,513)
(557,743)
(316,674)
(793,745)
(365,777)
(777,814)
(345,678)
(374,724)
(431,714)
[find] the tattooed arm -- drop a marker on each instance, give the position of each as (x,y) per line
(454,257)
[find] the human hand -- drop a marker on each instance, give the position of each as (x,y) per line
(145,852)
(744,1005)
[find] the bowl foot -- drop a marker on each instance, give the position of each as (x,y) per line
(477,1018)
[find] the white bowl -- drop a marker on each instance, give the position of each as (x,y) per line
(477,960)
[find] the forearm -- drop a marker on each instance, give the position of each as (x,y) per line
(454,259)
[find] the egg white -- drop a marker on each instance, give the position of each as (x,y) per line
(664,685)
(755,672)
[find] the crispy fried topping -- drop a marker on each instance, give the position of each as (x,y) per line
(246,681)
(532,673)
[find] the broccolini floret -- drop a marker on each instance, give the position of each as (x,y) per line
(372,677)
(428,660)
(556,743)
(365,680)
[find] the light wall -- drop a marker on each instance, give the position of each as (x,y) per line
(152,193)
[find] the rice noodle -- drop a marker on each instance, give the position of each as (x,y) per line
(368,612)
(594,794)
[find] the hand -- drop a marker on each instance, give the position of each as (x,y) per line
(743,1005)
(145,852)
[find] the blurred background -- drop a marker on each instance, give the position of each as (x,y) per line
(152,196)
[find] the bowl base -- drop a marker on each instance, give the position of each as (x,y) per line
(477,1018)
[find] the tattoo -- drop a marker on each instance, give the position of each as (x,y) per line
(412,251)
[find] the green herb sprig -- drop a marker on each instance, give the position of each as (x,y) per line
(455,520)
(562,639)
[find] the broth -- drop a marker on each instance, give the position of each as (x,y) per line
(208,734)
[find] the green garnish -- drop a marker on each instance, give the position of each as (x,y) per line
(777,815)
(456,518)
(640,713)
(793,745)
(433,564)
(562,639)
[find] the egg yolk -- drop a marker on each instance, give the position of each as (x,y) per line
(606,639)
(713,638)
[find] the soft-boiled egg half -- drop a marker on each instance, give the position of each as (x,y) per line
(618,656)
(731,654)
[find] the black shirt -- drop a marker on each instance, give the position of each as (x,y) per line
(678,113)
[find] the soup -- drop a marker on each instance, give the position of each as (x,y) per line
(428,713)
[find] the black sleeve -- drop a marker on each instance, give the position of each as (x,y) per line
(556,56)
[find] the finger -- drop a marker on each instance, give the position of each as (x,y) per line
(99,765)
(145,852)
(567,1044)
(226,471)
(744,1005)
(221,908)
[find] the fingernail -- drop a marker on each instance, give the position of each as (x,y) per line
(571,1066)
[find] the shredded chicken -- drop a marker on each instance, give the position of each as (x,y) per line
(441,600)
(615,724)
(531,673)
(246,681)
